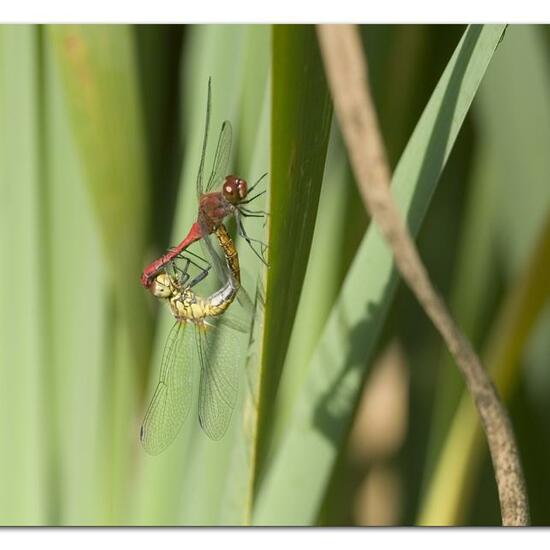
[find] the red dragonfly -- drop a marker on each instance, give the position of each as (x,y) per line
(215,206)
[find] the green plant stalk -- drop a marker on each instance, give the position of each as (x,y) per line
(454,477)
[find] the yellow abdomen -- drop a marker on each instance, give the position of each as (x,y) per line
(230,252)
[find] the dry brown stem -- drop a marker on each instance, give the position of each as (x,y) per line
(346,69)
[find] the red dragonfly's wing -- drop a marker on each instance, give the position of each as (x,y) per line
(200,186)
(221,159)
(172,398)
(223,151)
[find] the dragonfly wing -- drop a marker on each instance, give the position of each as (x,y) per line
(172,398)
(245,301)
(220,352)
(221,160)
(204,142)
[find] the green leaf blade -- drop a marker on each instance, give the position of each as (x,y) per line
(301,117)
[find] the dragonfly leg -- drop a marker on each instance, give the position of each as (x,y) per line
(205,265)
(171,265)
(257,182)
(253,213)
(249,240)
(182,273)
(252,198)
(190,252)
(199,277)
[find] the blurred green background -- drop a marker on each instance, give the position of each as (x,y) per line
(350,412)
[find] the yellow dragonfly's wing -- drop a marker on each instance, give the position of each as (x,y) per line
(172,398)
(220,350)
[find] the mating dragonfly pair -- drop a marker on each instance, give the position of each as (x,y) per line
(201,322)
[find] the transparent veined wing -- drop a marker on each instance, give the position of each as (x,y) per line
(172,398)
(221,159)
(221,351)
(204,142)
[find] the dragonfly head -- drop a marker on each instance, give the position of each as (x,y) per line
(162,286)
(234,189)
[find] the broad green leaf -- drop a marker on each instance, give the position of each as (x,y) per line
(301,115)
(296,481)
(322,280)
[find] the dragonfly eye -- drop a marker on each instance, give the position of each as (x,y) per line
(242,188)
(234,189)
(231,189)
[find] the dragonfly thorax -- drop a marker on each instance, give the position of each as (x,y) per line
(213,209)
(187,306)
